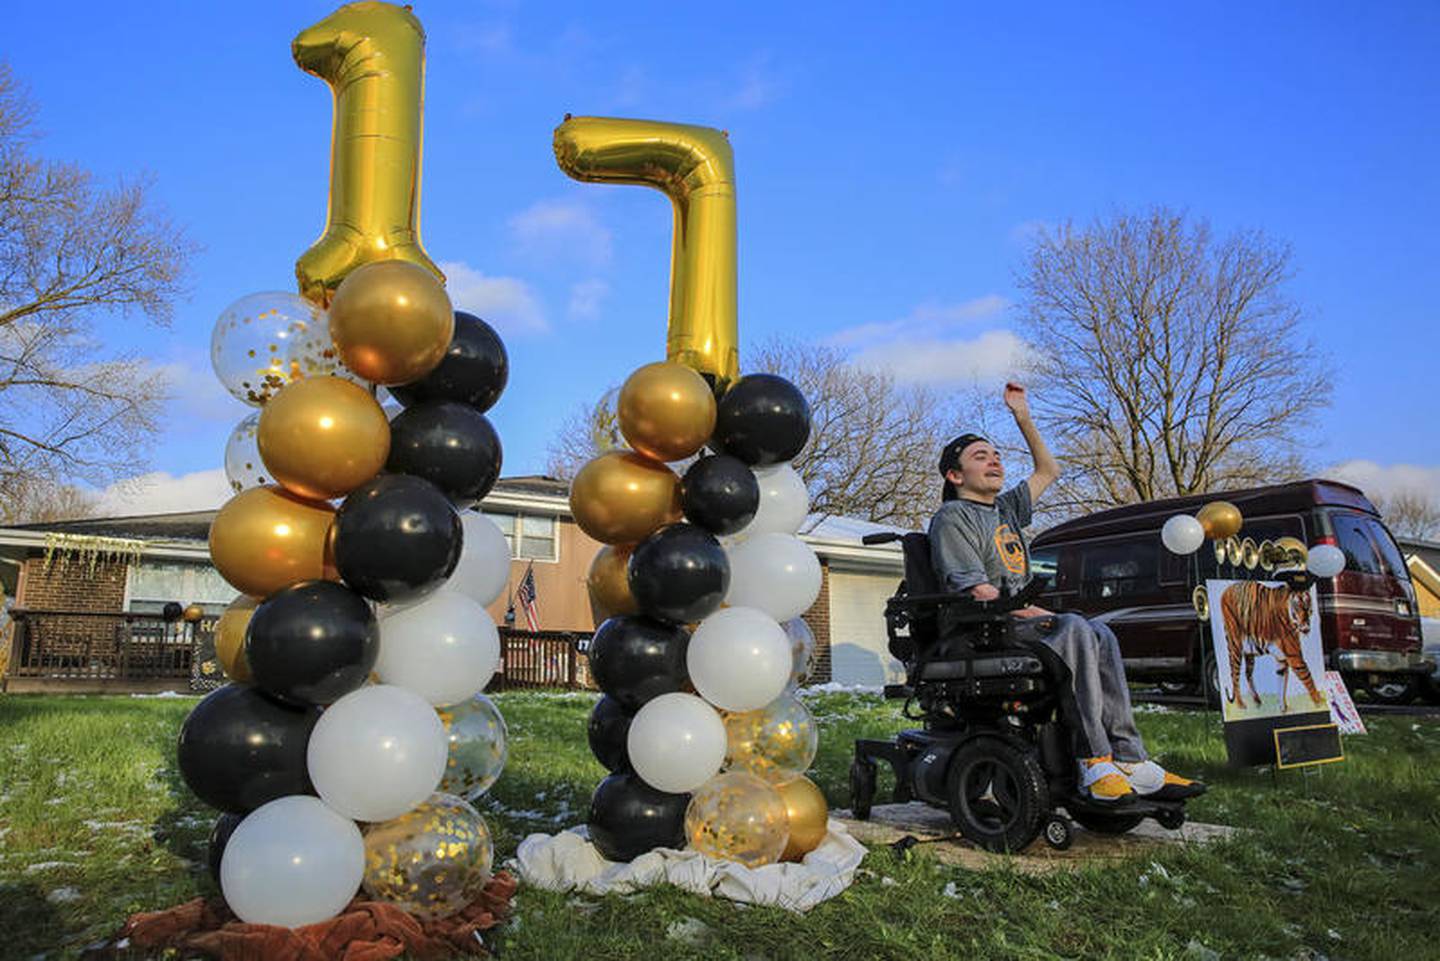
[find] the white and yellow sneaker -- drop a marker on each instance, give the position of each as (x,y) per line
(1102,780)
(1149,780)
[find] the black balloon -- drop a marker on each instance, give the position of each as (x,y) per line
(609,728)
(172,611)
(720,494)
(473,371)
(239,748)
(225,826)
(312,643)
(449,444)
(679,573)
(636,658)
(762,419)
(629,817)
(396,538)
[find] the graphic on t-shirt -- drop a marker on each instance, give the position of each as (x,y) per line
(1012,550)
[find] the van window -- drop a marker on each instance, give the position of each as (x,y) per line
(1367,544)
(1118,568)
(1352,533)
(1045,566)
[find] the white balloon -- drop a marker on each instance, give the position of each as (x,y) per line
(444,648)
(676,743)
(484,567)
(377,752)
(1182,534)
(1325,560)
(776,573)
(784,501)
(739,659)
(292,861)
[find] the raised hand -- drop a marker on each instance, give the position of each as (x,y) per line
(1017,400)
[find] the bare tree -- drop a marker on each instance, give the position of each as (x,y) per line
(1166,361)
(1410,513)
(74,257)
(873,444)
(36,500)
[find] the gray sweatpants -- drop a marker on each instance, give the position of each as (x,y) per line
(1101,707)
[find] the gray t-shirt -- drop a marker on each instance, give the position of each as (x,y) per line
(973,543)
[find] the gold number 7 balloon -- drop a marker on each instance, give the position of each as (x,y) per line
(373,57)
(695,167)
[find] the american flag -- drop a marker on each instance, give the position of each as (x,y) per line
(526,595)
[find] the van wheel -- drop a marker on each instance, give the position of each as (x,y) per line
(1210,680)
(1395,692)
(1430,689)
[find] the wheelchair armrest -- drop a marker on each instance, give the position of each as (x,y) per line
(967,604)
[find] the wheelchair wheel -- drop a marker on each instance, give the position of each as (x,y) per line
(1171,819)
(862,789)
(1106,822)
(999,798)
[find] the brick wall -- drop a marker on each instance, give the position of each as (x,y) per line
(818,617)
(70,584)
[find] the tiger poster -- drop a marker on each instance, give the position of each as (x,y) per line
(1268,654)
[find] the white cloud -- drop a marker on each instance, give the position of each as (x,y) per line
(508,303)
(929,320)
(995,355)
(562,228)
(163,493)
(196,394)
(585,298)
(1385,480)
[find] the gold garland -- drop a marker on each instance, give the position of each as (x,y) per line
(91,549)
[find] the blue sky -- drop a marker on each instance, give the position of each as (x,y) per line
(890,166)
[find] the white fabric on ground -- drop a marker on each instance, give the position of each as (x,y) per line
(569,862)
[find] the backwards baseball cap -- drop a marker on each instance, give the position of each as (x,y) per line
(950,460)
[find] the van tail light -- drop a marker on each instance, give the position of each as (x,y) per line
(1327,539)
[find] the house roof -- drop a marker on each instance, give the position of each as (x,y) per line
(186,534)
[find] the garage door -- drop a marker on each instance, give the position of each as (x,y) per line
(858,653)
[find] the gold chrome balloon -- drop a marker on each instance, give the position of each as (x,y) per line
(1200,599)
(322,437)
(1290,552)
(431,861)
(193,613)
(695,167)
(776,742)
(1249,553)
(609,584)
(621,497)
(738,817)
(666,411)
(230,637)
(1220,519)
(808,816)
(266,538)
(1266,555)
(1234,552)
(373,57)
(392,322)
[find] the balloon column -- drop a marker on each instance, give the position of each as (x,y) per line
(338,713)
(699,725)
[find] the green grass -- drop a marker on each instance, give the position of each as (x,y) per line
(1338,863)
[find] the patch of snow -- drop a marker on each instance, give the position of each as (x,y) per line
(63,896)
(167,695)
(39,866)
(835,687)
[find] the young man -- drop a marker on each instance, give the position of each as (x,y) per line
(978,546)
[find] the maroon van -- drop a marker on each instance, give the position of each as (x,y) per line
(1111,565)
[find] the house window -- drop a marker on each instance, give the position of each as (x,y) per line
(530,536)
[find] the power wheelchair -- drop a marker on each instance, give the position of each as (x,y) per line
(993,749)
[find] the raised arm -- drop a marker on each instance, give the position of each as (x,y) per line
(1047,468)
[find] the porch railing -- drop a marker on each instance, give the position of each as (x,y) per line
(542,659)
(100,645)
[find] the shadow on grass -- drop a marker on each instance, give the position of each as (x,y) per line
(29,920)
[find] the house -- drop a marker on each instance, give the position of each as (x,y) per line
(1423,560)
(89,595)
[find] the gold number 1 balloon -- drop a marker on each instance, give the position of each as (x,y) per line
(696,168)
(373,57)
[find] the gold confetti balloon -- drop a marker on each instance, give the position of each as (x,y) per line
(264,341)
(243,467)
(736,816)
(776,742)
(431,861)
(479,746)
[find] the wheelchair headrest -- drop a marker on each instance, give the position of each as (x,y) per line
(919,573)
